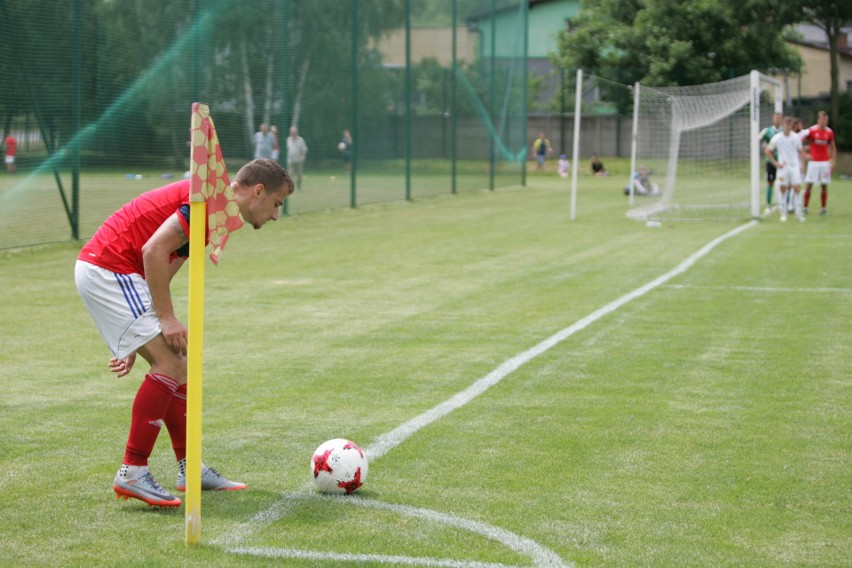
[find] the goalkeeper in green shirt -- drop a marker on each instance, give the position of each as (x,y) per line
(765,136)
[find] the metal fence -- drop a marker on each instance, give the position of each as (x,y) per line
(98,96)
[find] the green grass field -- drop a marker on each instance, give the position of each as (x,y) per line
(705,422)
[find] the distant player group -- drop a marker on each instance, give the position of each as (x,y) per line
(786,160)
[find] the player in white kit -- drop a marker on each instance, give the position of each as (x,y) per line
(790,163)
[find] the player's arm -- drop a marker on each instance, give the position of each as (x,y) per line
(174,266)
(832,153)
(169,237)
(770,155)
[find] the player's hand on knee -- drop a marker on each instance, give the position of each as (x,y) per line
(175,333)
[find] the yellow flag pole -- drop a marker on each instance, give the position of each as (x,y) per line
(195,346)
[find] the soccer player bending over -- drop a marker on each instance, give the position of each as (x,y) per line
(123,275)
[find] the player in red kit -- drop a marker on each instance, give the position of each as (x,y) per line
(822,154)
(123,275)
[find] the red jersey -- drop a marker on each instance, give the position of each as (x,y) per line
(11,145)
(820,142)
(117,244)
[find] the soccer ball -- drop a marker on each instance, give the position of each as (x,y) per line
(339,466)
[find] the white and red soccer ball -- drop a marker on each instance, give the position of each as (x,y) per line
(339,466)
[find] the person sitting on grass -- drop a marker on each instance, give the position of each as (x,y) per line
(598,168)
(563,166)
(642,184)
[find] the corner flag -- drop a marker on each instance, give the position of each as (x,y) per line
(209,181)
(211,207)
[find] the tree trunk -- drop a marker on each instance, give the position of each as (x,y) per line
(247,90)
(833,32)
(267,103)
(297,104)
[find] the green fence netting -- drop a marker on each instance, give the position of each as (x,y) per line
(98,93)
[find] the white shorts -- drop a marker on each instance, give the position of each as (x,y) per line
(788,176)
(10,159)
(818,172)
(120,305)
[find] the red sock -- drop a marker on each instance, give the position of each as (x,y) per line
(824,197)
(807,197)
(175,420)
(152,401)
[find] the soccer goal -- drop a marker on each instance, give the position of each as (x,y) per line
(697,148)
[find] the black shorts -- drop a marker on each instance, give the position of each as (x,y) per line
(771,170)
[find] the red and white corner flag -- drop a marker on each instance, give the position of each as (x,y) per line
(209,182)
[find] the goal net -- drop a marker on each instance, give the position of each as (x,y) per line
(695,152)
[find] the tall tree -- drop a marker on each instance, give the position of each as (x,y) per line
(663,42)
(831,16)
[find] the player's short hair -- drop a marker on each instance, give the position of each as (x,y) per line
(265,171)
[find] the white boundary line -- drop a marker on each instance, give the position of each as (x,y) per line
(390,440)
(317,556)
(763,289)
(386,442)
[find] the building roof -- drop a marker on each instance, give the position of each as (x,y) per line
(813,36)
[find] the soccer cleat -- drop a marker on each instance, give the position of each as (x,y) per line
(211,480)
(804,210)
(767,211)
(823,211)
(145,488)
(800,218)
(783,217)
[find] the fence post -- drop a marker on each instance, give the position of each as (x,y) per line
(353,186)
(453,119)
(408,99)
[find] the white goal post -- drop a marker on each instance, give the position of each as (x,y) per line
(702,144)
(694,149)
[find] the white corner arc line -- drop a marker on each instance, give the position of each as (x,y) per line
(540,556)
(348,557)
(386,442)
(390,440)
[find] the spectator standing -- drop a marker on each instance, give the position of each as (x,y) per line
(264,142)
(541,148)
(11,146)
(297,151)
(345,147)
